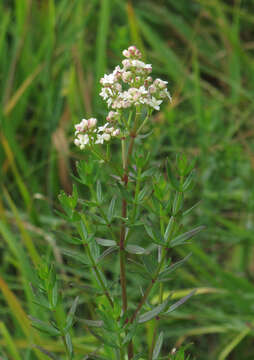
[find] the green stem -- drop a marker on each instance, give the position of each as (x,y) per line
(137,189)
(97,272)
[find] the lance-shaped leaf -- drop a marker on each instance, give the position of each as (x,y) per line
(135,249)
(169,229)
(70,239)
(131,332)
(83,230)
(151,262)
(157,348)
(155,236)
(146,191)
(178,202)
(105,242)
(180,239)
(111,209)
(69,345)
(180,302)
(139,268)
(93,323)
(189,181)
(106,253)
(165,273)
(149,315)
(70,316)
(44,327)
(75,255)
(99,192)
(188,211)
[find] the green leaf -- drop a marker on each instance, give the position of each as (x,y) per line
(105,242)
(95,249)
(82,258)
(179,240)
(107,252)
(135,249)
(180,302)
(44,327)
(99,192)
(139,268)
(164,274)
(188,211)
(70,316)
(131,333)
(93,323)
(149,315)
(169,230)
(155,236)
(71,239)
(53,296)
(69,345)
(178,203)
(157,348)
(146,191)
(111,209)
(150,261)
(148,173)
(187,185)
(83,231)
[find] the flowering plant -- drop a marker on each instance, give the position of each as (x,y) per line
(145,208)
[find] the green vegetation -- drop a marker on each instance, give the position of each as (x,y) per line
(52,55)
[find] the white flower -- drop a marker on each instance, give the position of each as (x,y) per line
(82,140)
(102,128)
(107,79)
(154,103)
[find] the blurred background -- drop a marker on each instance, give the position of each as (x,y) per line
(52,55)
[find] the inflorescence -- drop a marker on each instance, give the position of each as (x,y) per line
(126,87)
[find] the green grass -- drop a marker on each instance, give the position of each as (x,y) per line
(52,54)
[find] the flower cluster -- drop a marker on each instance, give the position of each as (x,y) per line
(126,87)
(132,84)
(88,134)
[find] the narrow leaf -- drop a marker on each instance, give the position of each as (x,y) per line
(179,240)
(135,249)
(44,327)
(71,313)
(153,313)
(157,348)
(105,242)
(164,274)
(180,302)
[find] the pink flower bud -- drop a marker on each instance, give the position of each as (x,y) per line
(126,53)
(91,123)
(132,49)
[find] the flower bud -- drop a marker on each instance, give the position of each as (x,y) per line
(116,132)
(106,137)
(91,123)
(126,53)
